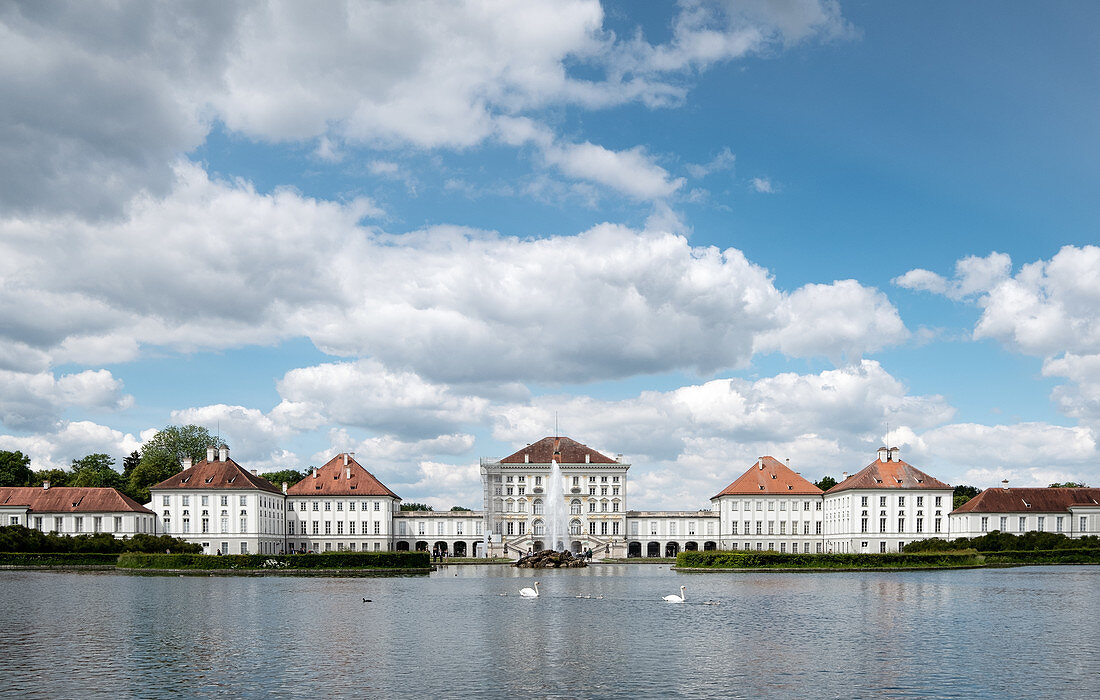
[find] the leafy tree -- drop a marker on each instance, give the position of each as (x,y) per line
(15,469)
(56,477)
(290,476)
(1068,485)
(826,483)
(460,508)
(179,442)
(415,506)
(97,471)
(153,469)
(129,464)
(964,493)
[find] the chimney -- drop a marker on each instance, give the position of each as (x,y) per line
(315,472)
(185,462)
(1004,483)
(760,463)
(223,452)
(253,472)
(619,458)
(46,485)
(526,458)
(587,458)
(347,472)
(894,451)
(345,459)
(883,454)
(788,463)
(843,476)
(210,453)
(284,488)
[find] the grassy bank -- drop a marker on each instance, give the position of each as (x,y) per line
(272,562)
(782,560)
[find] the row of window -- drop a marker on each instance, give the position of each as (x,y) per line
(672,527)
(771,504)
(901,501)
(97,523)
(421,527)
(185,500)
(376,506)
(1040,523)
(772,527)
(340,526)
(782,547)
(901,524)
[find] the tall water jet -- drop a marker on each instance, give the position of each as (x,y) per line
(555,508)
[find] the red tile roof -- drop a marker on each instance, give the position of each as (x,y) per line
(70,499)
(564,450)
(217,474)
(769,475)
(1029,500)
(336,479)
(892,474)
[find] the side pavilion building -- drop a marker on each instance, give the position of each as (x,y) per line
(770,506)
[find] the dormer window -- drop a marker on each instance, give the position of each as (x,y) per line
(1026,504)
(790,487)
(185,479)
(761,487)
(209,479)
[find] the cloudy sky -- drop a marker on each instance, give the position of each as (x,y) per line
(427,232)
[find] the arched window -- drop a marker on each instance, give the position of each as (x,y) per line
(575,507)
(603,506)
(508,506)
(538,506)
(537,528)
(574,527)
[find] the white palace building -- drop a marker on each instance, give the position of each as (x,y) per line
(341,506)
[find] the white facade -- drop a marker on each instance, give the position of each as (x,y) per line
(772,521)
(884,506)
(456,533)
(1074,512)
(517,495)
(340,523)
(665,533)
(70,510)
(222,507)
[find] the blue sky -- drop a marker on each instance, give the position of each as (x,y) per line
(696,232)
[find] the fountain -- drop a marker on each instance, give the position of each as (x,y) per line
(556,518)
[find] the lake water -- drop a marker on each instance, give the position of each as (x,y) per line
(975,633)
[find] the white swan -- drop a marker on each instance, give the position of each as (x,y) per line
(530,592)
(676,598)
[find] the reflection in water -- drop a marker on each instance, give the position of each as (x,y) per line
(986,633)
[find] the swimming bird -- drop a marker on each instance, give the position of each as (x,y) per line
(366,600)
(711,602)
(676,598)
(530,592)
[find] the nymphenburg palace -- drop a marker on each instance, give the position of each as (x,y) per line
(342,507)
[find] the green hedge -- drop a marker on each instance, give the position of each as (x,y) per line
(16,538)
(1048,556)
(998,541)
(771,559)
(273,562)
(57,559)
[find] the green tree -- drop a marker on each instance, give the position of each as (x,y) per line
(964,494)
(96,471)
(15,469)
(460,508)
(1068,485)
(415,506)
(152,469)
(826,483)
(290,476)
(179,442)
(56,477)
(129,463)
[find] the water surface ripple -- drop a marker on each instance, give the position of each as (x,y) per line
(465,632)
